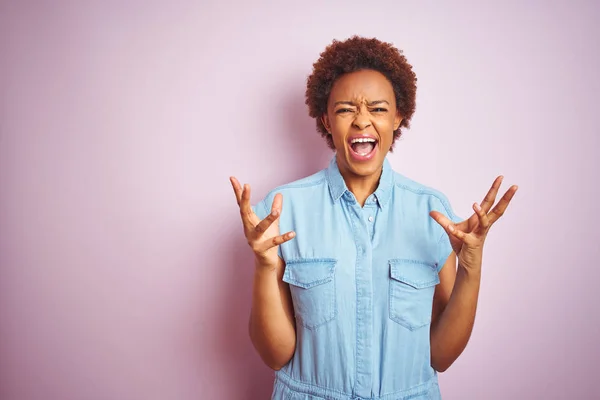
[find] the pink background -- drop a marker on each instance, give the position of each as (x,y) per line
(124,273)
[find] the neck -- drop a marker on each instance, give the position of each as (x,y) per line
(361,186)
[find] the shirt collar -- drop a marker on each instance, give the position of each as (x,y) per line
(337,186)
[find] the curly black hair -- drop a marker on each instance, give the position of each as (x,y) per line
(355,54)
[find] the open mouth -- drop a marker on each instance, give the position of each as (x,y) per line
(363,147)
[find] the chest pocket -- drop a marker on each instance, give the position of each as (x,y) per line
(412,286)
(312,283)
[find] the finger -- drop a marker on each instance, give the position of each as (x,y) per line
(237,189)
(263,225)
(273,242)
(490,197)
(502,205)
(445,223)
(246,210)
(484,222)
(440,219)
(452,229)
(277,203)
(245,198)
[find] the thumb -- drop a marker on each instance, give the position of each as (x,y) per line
(446,224)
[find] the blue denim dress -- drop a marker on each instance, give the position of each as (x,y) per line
(362,281)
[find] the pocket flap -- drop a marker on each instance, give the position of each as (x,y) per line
(418,274)
(309,273)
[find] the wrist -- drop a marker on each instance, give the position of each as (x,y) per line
(470,272)
(264,267)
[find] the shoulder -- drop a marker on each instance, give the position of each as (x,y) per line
(303,184)
(293,191)
(423,194)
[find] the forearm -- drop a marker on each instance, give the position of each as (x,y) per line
(272,329)
(452,330)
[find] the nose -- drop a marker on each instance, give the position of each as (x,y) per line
(361,122)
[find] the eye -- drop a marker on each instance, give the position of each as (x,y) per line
(379,109)
(343,110)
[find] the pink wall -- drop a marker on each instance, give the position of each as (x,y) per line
(124,273)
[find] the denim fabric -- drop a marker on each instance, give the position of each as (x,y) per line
(362,281)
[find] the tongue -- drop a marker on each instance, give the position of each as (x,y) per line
(363,148)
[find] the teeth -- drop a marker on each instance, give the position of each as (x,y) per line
(363,140)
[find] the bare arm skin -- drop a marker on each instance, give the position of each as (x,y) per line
(455,298)
(272,329)
(454,307)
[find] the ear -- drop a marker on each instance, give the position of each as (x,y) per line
(325,121)
(397,121)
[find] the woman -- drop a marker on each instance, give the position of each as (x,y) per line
(373,288)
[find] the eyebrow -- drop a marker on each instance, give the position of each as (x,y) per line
(350,103)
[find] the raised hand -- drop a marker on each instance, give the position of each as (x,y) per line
(263,236)
(467,237)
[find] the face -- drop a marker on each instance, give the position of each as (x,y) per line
(361,118)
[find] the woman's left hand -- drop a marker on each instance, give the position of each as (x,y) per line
(467,237)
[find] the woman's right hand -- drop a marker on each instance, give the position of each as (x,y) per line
(263,236)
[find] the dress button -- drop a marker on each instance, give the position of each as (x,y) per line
(371,219)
